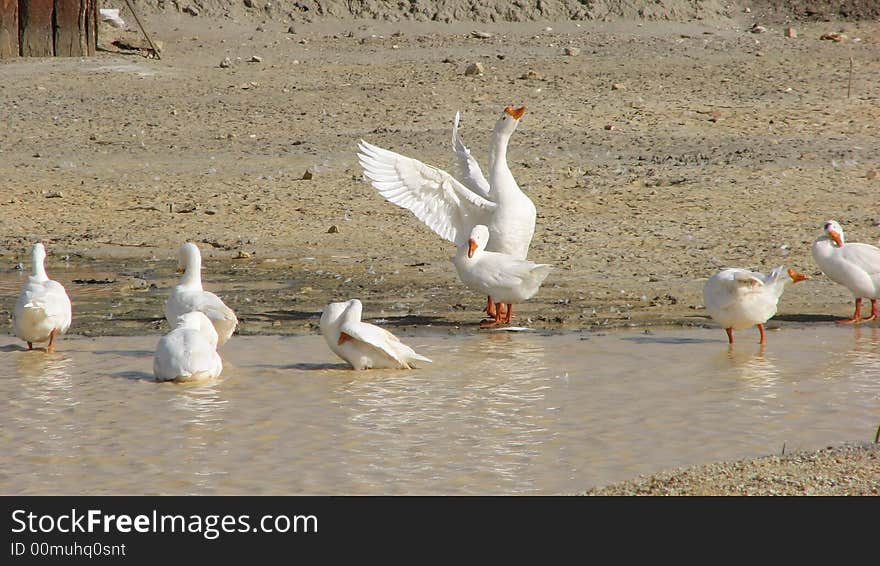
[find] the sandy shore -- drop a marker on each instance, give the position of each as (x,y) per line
(656,154)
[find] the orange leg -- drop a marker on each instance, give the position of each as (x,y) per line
(51,345)
(509,314)
(496,321)
(30,346)
(490,307)
(761,330)
(873,311)
(729,335)
(857,317)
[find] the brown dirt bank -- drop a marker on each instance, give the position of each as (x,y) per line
(719,147)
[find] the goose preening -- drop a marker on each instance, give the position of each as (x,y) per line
(190,296)
(452,205)
(738,298)
(855,266)
(505,278)
(43,308)
(189,351)
(361,344)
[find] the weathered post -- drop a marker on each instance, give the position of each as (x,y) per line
(35,25)
(8,28)
(74,28)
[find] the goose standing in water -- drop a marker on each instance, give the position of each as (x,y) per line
(738,298)
(505,278)
(361,344)
(43,308)
(855,266)
(190,296)
(189,351)
(452,206)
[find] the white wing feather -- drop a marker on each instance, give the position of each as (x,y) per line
(383,340)
(865,256)
(446,206)
(467,170)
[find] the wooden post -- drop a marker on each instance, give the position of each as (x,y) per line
(91,35)
(8,28)
(35,20)
(75,28)
(68,28)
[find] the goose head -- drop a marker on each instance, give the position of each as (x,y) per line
(38,253)
(478,239)
(38,261)
(189,263)
(509,120)
(834,232)
(335,314)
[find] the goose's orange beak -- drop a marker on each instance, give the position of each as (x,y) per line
(797,276)
(472,247)
(516,113)
(836,237)
(343,338)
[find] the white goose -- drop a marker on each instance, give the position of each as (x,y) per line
(507,279)
(855,266)
(189,351)
(452,206)
(190,296)
(738,298)
(361,344)
(43,308)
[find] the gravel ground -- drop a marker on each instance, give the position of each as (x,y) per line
(851,469)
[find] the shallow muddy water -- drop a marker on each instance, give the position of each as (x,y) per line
(496,413)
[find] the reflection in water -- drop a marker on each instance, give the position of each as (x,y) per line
(756,373)
(482,412)
(47,403)
(198,411)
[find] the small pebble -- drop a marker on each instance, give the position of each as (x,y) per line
(474,69)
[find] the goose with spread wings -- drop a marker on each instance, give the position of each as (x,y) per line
(451,205)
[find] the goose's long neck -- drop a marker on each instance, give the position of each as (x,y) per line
(777,280)
(192,277)
(499,172)
(39,269)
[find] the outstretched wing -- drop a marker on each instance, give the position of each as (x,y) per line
(467,170)
(446,206)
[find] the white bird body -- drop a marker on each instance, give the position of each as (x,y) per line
(452,206)
(189,351)
(189,296)
(507,279)
(43,309)
(856,266)
(361,344)
(738,298)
